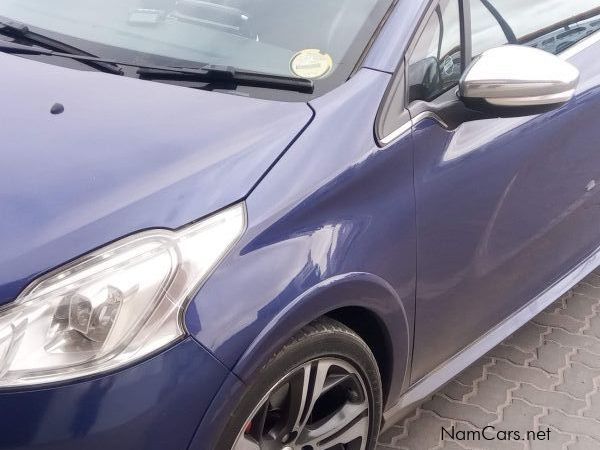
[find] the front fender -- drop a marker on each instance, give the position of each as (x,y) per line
(333,210)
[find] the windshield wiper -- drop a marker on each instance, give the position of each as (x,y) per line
(20,31)
(227,74)
(205,73)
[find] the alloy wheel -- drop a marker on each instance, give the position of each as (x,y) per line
(321,405)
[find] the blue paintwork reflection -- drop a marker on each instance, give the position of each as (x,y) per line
(506,208)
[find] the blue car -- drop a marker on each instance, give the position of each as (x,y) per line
(280,224)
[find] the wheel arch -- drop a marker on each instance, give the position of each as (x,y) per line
(365,303)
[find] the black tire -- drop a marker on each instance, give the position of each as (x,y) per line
(322,339)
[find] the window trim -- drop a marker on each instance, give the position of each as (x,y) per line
(402,71)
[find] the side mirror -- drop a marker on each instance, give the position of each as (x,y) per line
(515,80)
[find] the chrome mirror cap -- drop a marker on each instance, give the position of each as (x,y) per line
(519,76)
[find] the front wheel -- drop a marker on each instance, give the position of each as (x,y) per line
(322,391)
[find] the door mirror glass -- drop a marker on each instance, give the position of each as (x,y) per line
(518,79)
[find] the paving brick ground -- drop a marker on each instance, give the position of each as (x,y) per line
(545,376)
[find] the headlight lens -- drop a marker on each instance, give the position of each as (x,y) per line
(113,306)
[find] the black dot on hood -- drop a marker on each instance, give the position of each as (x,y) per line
(57,108)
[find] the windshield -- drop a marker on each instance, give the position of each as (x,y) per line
(317,39)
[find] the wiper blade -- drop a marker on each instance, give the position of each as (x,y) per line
(20,31)
(207,72)
(227,74)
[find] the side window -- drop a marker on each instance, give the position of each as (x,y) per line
(485,29)
(434,65)
(551,26)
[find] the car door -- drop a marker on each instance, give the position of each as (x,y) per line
(505,207)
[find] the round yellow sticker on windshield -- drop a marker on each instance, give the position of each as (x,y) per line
(311,63)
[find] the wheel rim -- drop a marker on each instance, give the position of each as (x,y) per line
(321,405)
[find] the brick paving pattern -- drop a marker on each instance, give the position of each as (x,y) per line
(545,376)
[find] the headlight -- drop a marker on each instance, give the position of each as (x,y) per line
(113,306)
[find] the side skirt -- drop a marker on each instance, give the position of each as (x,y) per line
(460,361)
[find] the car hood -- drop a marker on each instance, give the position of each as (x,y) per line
(124,155)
